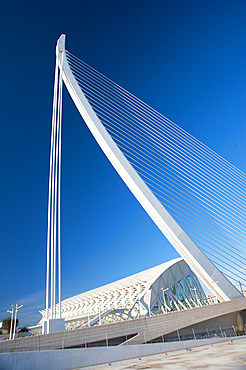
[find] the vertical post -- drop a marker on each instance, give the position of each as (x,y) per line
(164,299)
(58,164)
(222,335)
(178,335)
(193,333)
(54,204)
(15,321)
(48,272)
(59,194)
(16,310)
(53,210)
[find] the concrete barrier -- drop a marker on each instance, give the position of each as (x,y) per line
(84,357)
(141,330)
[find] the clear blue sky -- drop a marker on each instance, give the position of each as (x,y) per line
(187,59)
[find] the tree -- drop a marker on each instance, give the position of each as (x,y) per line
(6,324)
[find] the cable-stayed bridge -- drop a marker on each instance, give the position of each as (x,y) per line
(195,197)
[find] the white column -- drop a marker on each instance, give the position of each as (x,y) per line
(54,206)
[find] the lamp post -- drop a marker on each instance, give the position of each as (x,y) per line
(16,310)
(11,323)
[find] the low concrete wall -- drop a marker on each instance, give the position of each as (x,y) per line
(84,357)
(142,329)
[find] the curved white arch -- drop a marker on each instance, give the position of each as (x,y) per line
(200,264)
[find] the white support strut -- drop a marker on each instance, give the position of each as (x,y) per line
(54,220)
(195,258)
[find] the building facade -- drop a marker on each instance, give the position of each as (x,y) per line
(171,286)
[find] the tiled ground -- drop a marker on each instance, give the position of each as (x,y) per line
(224,356)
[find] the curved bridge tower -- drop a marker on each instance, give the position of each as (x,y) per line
(181,241)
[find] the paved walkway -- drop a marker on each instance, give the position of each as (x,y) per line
(220,356)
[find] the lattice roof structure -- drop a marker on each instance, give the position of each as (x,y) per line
(158,290)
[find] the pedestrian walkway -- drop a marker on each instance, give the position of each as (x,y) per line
(230,355)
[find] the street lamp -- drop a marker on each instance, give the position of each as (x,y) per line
(11,324)
(16,310)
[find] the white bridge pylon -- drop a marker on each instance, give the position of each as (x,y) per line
(195,258)
(54,197)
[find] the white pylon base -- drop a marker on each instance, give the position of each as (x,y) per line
(53,326)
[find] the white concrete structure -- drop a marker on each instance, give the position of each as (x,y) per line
(87,357)
(197,260)
(54,323)
(168,287)
(226,318)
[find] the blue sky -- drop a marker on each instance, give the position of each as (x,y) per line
(185,58)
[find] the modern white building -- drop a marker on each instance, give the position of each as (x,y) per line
(171,286)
